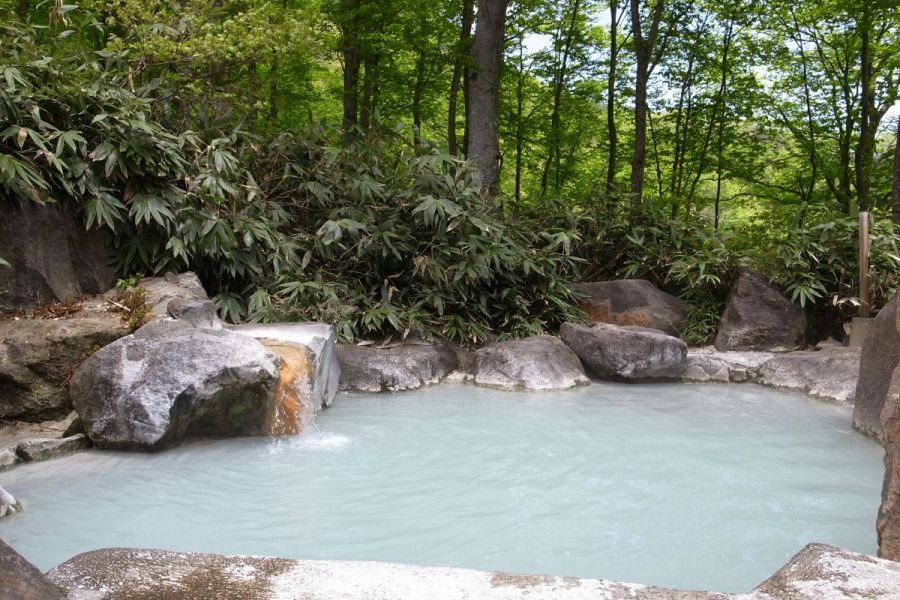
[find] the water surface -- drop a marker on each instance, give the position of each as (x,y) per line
(691,486)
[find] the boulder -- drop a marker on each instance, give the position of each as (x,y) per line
(395,369)
(53,257)
(880,357)
(626,352)
(309,371)
(8,504)
(827,374)
(37,357)
(536,363)
(820,572)
(20,580)
(8,458)
(888,523)
(125,574)
(46,448)
(817,572)
(707,364)
(759,317)
(162,290)
(170,381)
(631,302)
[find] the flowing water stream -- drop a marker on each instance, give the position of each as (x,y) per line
(692,486)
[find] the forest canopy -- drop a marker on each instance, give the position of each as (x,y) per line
(448,166)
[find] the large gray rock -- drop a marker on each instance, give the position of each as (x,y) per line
(820,572)
(707,364)
(888,523)
(8,458)
(817,572)
(879,388)
(828,374)
(162,290)
(626,352)
(537,363)
(46,448)
(309,372)
(403,367)
(53,257)
(880,357)
(632,302)
(170,381)
(20,580)
(759,317)
(8,504)
(37,357)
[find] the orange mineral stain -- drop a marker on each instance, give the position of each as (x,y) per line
(290,413)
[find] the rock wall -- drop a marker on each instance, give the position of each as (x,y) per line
(52,256)
(880,357)
(817,572)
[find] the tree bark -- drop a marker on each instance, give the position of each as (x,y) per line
(611,98)
(369,88)
(863,153)
(520,126)
(460,72)
(484,103)
(351,51)
(643,54)
(895,183)
(553,156)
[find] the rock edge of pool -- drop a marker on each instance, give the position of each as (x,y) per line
(817,572)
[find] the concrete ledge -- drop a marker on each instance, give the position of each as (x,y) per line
(818,572)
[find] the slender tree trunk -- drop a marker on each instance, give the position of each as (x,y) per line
(643,54)
(659,175)
(460,69)
(863,153)
(611,98)
(681,126)
(418,91)
(813,160)
(895,183)
(369,86)
(553,156)
(520,126)
(720,143)
(718,110)
(273,89)
(351,50)
(484,103)
(252,93)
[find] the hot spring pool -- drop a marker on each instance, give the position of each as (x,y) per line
(690,486)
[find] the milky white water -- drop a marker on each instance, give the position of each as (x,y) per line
(692,486)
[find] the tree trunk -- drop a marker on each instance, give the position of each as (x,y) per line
(553,156)
(351,50)
(273,89)
(720,143)
(520,126)
(611,98)
(418,91)
(643,54)
(895,183)
(863,153)
(460,69)
(484,103)
(369,89)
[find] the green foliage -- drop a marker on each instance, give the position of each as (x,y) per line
(131,299)
(818,263)
(408,244)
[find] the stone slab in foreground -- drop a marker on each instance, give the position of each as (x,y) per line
(818,572)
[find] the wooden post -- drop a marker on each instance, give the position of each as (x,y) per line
(864,264)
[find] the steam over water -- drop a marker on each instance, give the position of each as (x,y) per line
(693,486)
